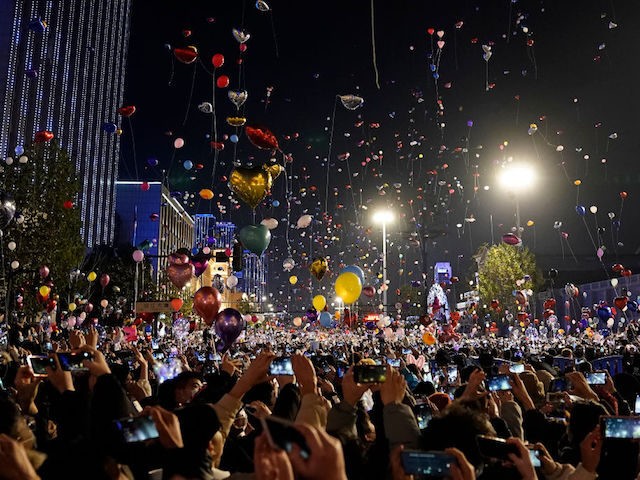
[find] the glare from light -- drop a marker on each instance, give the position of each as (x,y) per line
(383,216)
(517,177)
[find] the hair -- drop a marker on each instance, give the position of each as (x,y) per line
(424,388)
(585,416)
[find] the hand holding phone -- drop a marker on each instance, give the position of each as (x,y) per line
(434,464)
(281,366)
(493,447)
(283,435)
(498,382)
(621,427)
(73,361)
(137,429)
(596,378)
(370,373)
(39,364)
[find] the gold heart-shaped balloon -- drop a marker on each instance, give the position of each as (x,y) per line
(274,170)
(251,185)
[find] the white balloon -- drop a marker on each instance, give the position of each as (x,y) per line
(614,282)
(232,281)
(304,221)
(15,264)
(23,159)
(270,223)
(11,245)
(8,160)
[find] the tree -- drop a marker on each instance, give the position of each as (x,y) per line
(502,269)
(46,230)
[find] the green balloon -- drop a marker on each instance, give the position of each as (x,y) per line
(255,238)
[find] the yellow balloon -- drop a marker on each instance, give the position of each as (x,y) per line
(72,306)
(348,287)
(206,194)
(293,279)
(250,184)
(319,302)
(319,267)
(44,291)
(274,170)
(428,338)
(92,276)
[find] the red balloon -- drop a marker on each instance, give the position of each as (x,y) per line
(44,271)
(549,303)
(176,304)
(262,138)
(217,145)
(620,302)
(511,239)
(228,252)
(617,268)
(626,272)
(178,258)
(186,55)
(43,136)
(145,186)
(104,280)
(222,81)
(180,273)
(217,60)
(623,195)
(243,47)
(68,204)
(206,302)
(127,111)
(51,304)
(369,291)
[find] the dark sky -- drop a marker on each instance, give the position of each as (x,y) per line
(574,74)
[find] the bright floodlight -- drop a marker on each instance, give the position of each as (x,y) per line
(517,177)
(383,216)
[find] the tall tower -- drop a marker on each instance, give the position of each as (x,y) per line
(62,68)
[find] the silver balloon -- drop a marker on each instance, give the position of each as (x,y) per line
(241,36)
(262,6)
(205,107)
(351,102)
(238,97)
(288,264)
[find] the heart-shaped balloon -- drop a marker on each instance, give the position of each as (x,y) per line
(351,102)
(369,291)
(180,273)
(255,238)
(179,258)
(238,97)
(319,267)
(236,121)
(262,137)
(205,107)
(199,267)
(440,44)
(43,136)
(186,55)
(206,302)
(274,170)
(250,184)
(241,36)
(127,111)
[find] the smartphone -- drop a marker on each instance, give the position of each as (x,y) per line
(283,435)
(73,361)
(370,373)
(452,373)
(39,364)
(281,366)
(199,356)
(158,355)
(137,429)
(493,447)
(621,427)
(434,464)
(516,367)
(534,456)
(393,362)
(154,344)
(423,414)
(340,371)
(498,382)
(214,357)
(559,385)
(596,378)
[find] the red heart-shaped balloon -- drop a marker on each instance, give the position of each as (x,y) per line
(186,55)
(127,111)
(262,138)
(431,31)
(43,136)
(180,273)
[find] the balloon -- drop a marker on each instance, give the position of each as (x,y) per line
(228,326)
(270,223)
(626,272)
(348,287)
(428,338)
(205,107)
(293,279)
(127,111)
(92,276)
(15,265)
(43,271)
(623,195)
(351,102)
(104,302)
(186,55)
(255,238)
(138,256)
(7,209)
(180,273)
(238,97)
(319,267)
(325,319)
(104,280)
(297,321)
(604,312)
(288,264)
(206,303)
(262,6)
(354,269)
(553,273)
(617,268)
(200,266)
(304,221)
(206,194)
(44,291)
(369,291)
(511,239)
(234,138)
(12,245)
(67,205)
(250,184)
(581,210)
(178,143)
(241,36)
(72,307)
(176,304)
(571,290)
(319,302)
(620,302)
(262,138)
(109,127)
(274,170)
(217,60)
(188,165)
(275,203)
(222,81)
(232,281)
(614,282)
(43,136)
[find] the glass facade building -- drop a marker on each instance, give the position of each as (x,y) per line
(62,69)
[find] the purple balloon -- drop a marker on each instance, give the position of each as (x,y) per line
(199,266)
(228,326)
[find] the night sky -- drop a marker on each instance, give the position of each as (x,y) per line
(569,67)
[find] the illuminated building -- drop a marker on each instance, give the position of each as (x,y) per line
(152,220)
(62,68)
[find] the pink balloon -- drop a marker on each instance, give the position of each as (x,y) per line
(600,252)
(104,280)
(138,256)
(178,143)
(44,271)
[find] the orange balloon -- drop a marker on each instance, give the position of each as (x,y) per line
(176,304)
(428,338)
(206,194)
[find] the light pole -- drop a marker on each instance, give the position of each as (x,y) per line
(383,217)
(516,178)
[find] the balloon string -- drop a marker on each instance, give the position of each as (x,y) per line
(133,147)
(373,46)
(288,199)
(509,20)
(273,31)
(326,191)
(172,70)
(589,232)
(193,82)
(353,195)
(486,76)
(571,250)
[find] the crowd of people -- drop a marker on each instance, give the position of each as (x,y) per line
(90,403)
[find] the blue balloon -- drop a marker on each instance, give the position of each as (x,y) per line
(580,210)
(109,127)
(152,161)
(19,150)
(276,203)
(234,138)
(325,319)
(188,164)
(604,312)
(354,269)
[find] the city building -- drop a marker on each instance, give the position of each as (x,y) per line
(149,218)
(211,233)
(62,68)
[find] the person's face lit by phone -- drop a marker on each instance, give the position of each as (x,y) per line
(187,393)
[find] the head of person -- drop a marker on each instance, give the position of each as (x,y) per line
(186,387)
(585,416)
(202,438)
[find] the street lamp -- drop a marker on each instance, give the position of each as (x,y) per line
(516,178)
(383,217)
